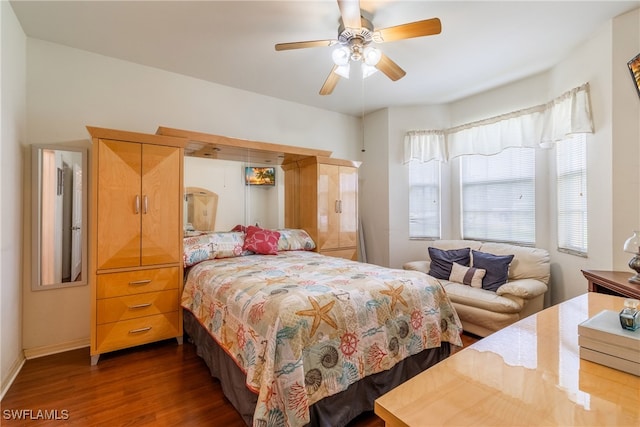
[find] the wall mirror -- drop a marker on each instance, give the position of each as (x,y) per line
(217,198)
(59,216)
(200,209)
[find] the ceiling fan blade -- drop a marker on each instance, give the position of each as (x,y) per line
(350,12)
(330,83)
(302,45)
(427,27)
(390,68)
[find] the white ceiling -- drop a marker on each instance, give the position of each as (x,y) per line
(482,45)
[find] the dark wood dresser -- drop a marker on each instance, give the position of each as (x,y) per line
(612,283)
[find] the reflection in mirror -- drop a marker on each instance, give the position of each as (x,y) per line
(238,203)
(59,216)
(200,209)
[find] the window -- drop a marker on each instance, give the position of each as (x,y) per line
(498,196)
(424,200)
(571,180)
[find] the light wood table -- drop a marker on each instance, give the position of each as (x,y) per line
(528,374)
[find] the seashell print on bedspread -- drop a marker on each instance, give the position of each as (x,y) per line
(303,326)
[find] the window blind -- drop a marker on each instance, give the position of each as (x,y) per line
(498,196)
(424,200)
(571,179)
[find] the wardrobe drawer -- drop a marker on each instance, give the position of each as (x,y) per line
(142,330)
(134,282)
(132,306)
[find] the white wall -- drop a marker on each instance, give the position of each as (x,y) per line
(515,96)
(373,188)
(68,89)
(625,136)
(13,132)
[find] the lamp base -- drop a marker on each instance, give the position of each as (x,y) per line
(634,264)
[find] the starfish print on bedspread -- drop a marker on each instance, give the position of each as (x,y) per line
(394,293)
(319,313)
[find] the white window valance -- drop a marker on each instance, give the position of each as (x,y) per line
(425,145)
(568,114)
(538,126)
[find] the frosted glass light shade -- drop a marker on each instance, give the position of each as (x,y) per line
(632,244)
(343,70)
(371,55)
(368,70)
(341,56)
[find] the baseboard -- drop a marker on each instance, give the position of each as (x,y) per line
(11,377)
(33,353)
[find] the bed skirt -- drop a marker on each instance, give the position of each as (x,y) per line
(332,411)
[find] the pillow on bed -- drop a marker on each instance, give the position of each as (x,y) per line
(470,276)
(441,261)
(227,244)
(197,249)
(261,240)
(293,239)
(497,267)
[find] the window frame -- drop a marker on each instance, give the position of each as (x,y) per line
(438,190)
(490,183)
(582,175)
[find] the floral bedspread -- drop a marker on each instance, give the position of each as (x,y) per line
(303,326)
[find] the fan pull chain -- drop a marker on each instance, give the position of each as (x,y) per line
(362,118)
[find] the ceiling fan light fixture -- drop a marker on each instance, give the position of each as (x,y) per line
(341,56)
(371,55)
(356,33)
(343,70)
(368,70)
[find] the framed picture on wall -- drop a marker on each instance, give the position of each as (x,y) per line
(634,68)
(259,175)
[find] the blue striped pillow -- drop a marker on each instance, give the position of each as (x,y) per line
(470,276)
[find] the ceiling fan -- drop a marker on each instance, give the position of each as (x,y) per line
(356,36)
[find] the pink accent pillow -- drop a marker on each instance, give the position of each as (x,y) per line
(261,241)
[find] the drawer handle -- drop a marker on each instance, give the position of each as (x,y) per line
(140,282)
(134,307)
(140,330)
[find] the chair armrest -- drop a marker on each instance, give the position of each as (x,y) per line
(417,266)
(523,288)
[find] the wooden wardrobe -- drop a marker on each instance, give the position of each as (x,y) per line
(321,197)
(136,239)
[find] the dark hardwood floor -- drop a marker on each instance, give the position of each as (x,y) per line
(161,384)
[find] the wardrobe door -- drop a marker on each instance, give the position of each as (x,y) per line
(328,207)
(348,206)
(118,204)
(161,228)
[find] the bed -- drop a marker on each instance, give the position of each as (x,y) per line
(300,338)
